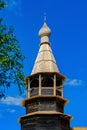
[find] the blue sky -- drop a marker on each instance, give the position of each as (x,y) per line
(68,22)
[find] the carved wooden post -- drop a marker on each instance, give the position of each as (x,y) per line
(28,89)
(39,84)
(54,84)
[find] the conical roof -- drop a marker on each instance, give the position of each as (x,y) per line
(45,61)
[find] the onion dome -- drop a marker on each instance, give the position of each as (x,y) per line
(44,31)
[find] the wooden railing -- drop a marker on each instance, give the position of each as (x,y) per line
(46,91)
(34,91)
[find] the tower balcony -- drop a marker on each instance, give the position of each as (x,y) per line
(45,84)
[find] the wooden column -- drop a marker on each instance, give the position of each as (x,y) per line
(39,84)
(28,89)
(62,89)
(54,84)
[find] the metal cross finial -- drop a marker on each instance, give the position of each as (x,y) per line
(45,17)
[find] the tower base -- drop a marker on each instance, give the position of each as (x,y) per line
(45,122)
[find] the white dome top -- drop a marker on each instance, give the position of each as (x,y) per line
(44,31)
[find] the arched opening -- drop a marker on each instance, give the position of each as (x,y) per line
(47,82)
(34,87)
(58,82)
(34,83)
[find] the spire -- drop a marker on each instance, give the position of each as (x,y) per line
(44,17)
(45,61)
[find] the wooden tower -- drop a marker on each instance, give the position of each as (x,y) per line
(45,103)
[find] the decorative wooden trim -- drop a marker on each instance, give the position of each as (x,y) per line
(47,113)
(45,43)
(45,96)
(57,74)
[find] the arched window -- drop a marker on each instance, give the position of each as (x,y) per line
(34,82)
(58,82)
(47,82)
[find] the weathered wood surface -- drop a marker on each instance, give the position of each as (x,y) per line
(46,104)
(45,122)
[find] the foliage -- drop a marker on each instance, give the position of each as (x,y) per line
(11,58)
(2,4)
